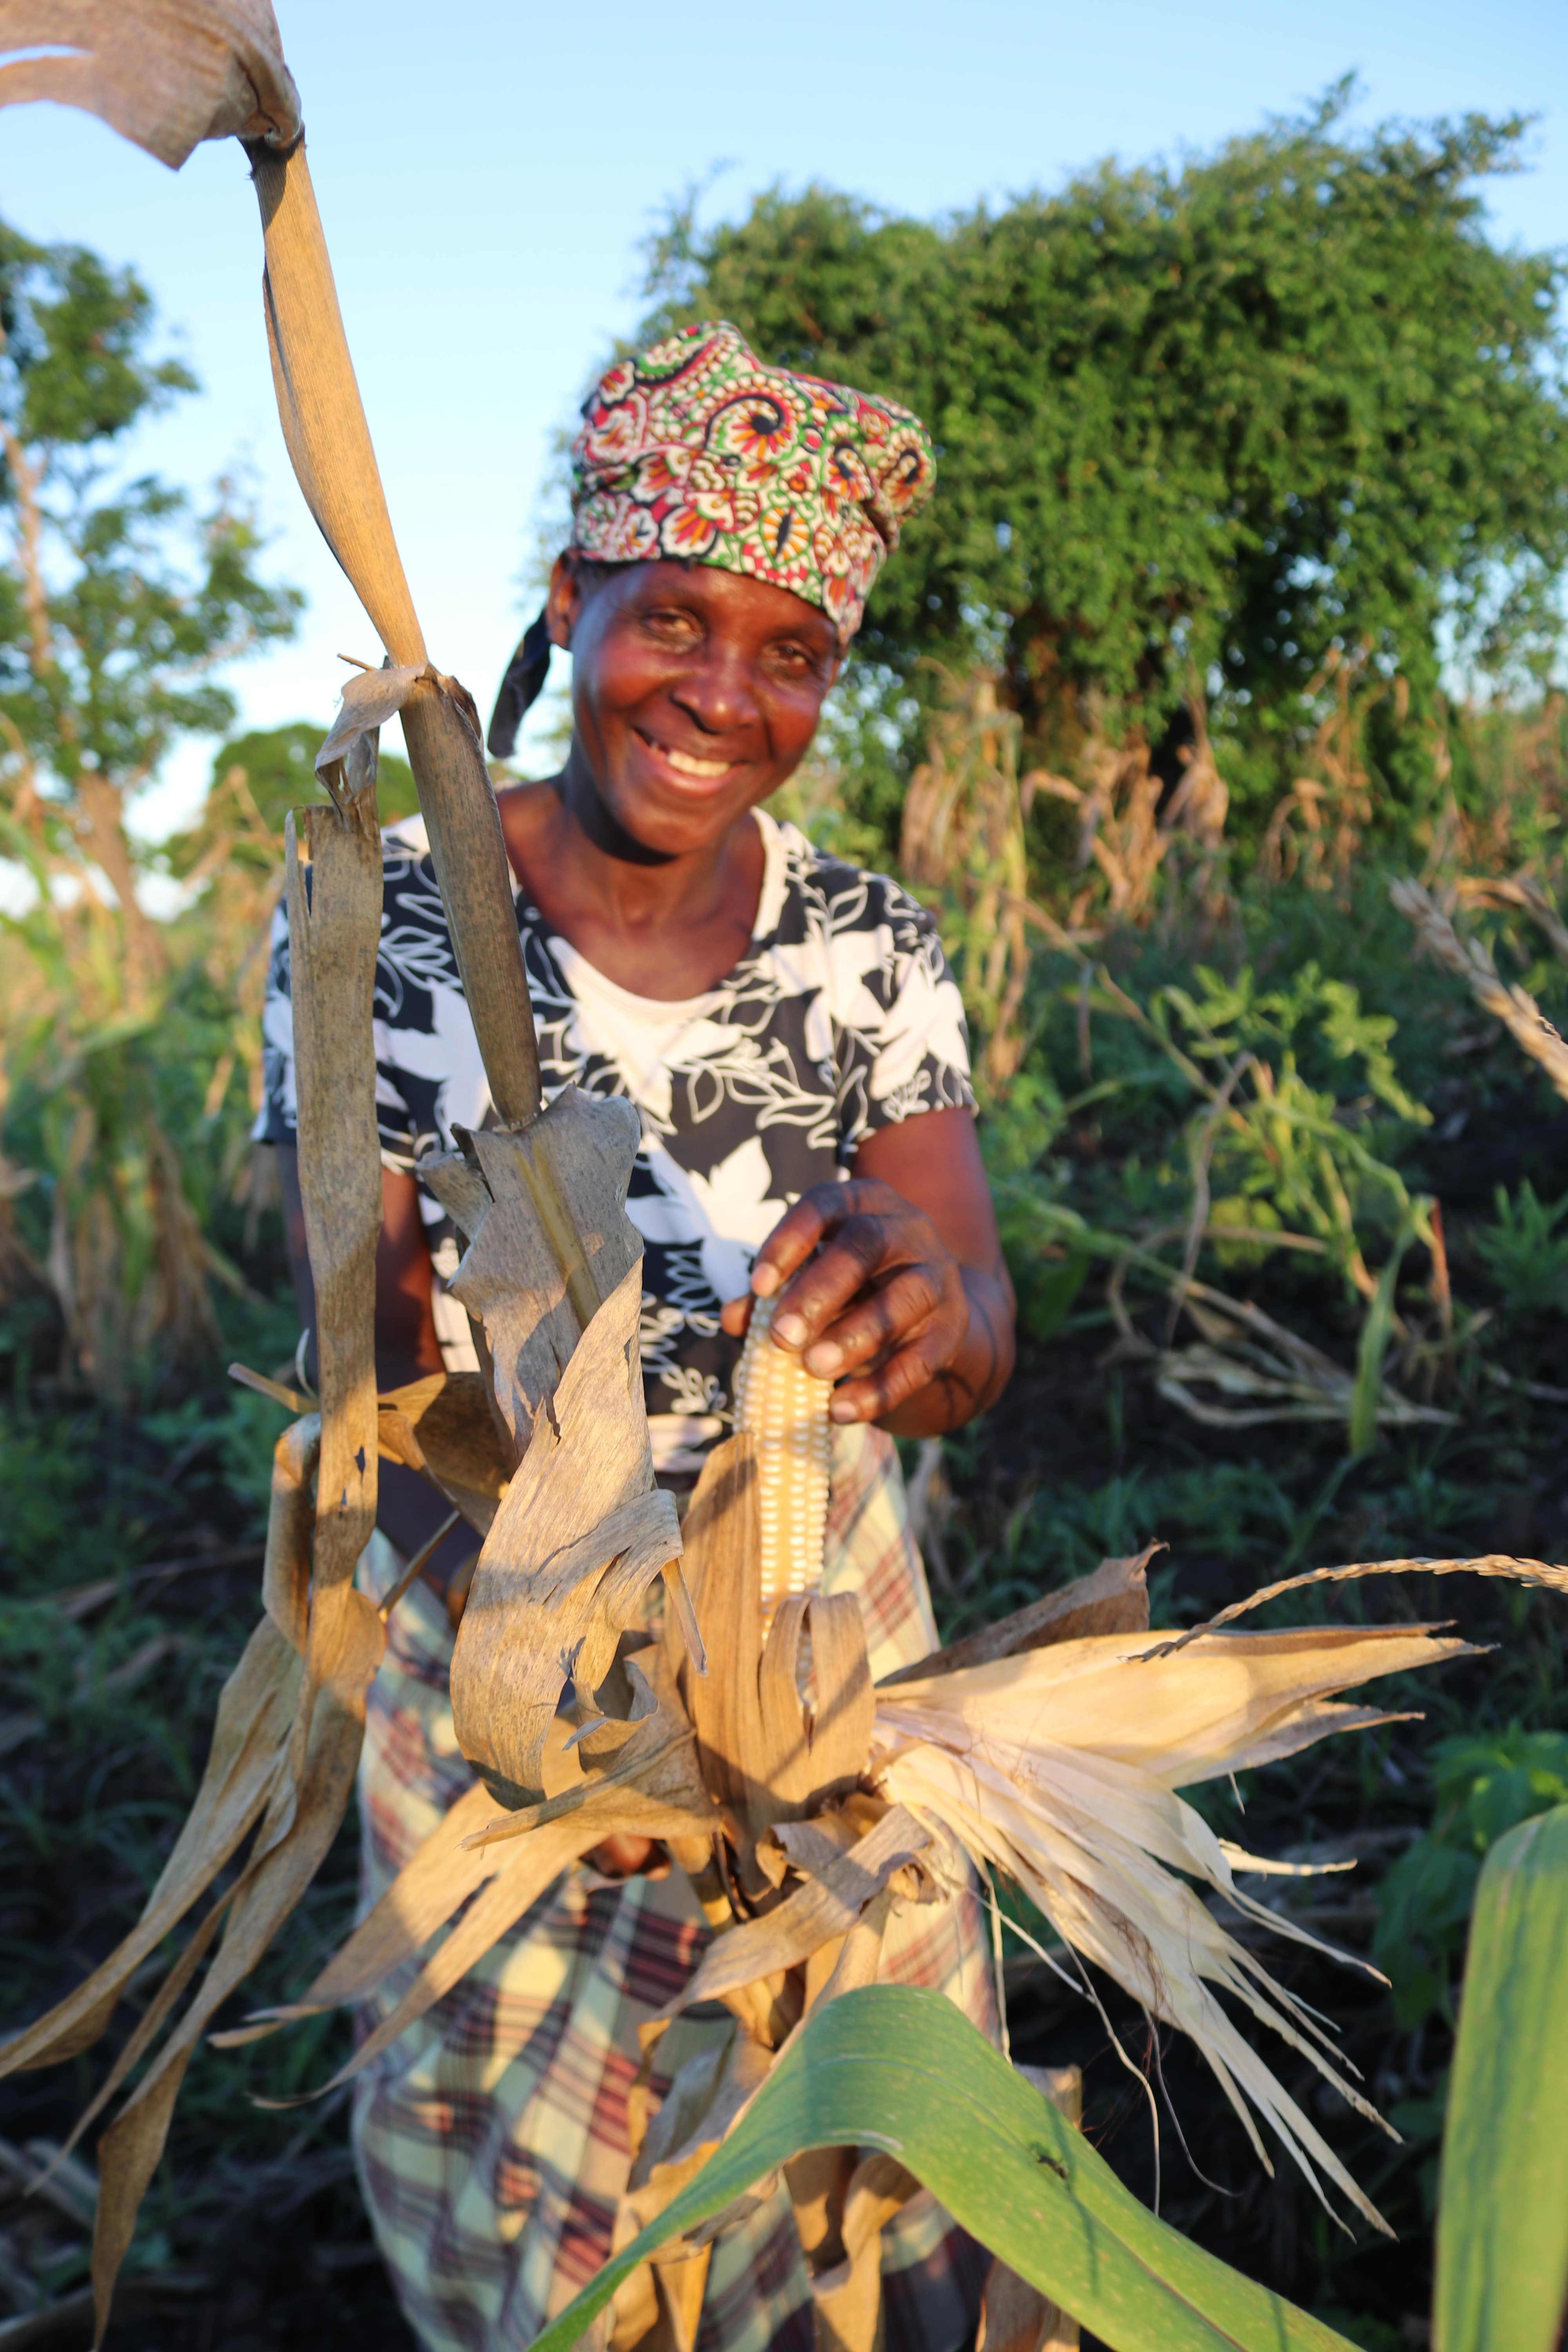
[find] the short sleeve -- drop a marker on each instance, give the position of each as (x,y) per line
(277,1121)
(900,1037)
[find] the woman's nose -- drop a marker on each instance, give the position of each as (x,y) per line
(718,692)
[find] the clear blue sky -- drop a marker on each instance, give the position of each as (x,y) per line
(486,172)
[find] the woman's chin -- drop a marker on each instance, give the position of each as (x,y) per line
(678,821)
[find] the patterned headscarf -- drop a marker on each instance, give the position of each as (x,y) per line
(696,448)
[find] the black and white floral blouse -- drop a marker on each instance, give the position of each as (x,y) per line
(842,1017)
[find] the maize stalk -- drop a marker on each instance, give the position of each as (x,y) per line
(783,1408)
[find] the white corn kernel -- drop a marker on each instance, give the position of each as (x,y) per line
(784,1408)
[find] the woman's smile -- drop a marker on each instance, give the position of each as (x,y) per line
(687,765)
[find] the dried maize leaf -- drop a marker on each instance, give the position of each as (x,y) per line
(128,2156)
(514,1889)
(652,1786)
(578,1539)
(423,1896)
(255,1711)
(722,1557)
(846,1701)
(847,2300)
(660,2303)
(443,1427)
(1123,1698)
(860,1954)
(824,1907)
(151,2024)
(533,1275)
(1017,2318)
(819,2182)
(165,74)
(334,931)
(810,1846)
(808,1756)
(784,1774)
(299,1828)
(1113,1600)
(291,1517)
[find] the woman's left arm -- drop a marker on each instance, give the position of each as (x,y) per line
(893,1285)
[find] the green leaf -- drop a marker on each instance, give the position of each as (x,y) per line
(1422,1906)
(1374,1335)
(900,2069)
(1502,2213)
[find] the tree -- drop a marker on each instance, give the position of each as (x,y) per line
(1198,427)
(280,774)
(120,606)
(112,622)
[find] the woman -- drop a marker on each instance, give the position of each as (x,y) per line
(794,1043)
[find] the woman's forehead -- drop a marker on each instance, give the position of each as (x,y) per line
(722,598)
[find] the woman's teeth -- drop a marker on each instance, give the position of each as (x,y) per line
(684,765)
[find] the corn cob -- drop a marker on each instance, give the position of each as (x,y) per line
(784,1408)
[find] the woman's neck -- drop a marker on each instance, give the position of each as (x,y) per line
(665,928)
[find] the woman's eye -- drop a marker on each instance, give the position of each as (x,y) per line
(795,661)
(671,624)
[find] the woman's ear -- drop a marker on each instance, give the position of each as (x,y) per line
(564,601)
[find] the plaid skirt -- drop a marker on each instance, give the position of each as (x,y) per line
(491,2139)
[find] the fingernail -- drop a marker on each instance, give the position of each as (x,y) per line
(823,1358)
(765,1280)
(789,1330)
(841,1410)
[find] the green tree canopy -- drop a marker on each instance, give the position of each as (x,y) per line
(119,602)
(1195,424)
(278,767)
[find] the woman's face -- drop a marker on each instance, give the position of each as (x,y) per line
(694,692)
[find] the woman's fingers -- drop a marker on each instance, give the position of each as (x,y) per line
(865,1291)
(797,1234)
(873,1395)
(883,1319)
(856,1229)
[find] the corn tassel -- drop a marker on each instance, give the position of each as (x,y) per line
(784,1408)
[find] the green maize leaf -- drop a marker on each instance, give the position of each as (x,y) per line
(1373,1346)
(1502,2204)
(900,2069)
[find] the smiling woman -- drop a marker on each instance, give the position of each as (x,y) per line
(794,1043)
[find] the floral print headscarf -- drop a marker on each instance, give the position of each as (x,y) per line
(697,449)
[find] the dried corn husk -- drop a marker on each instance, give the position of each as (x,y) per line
(443,1427)
(580,1535)
(706,2098)
(1060,1766)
